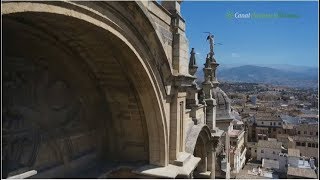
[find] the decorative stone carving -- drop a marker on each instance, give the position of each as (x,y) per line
(37,107)
(192,63)
(20,142)
(201,97)
(211,43)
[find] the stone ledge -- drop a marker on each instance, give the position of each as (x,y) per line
(217,133)
(23,175)
(170,171)
(204,175)
(183,157)
(189,166)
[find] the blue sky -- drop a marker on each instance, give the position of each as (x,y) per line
(291,41)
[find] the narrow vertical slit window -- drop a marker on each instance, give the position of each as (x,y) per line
(181,126)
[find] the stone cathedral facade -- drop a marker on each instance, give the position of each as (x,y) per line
(107,90)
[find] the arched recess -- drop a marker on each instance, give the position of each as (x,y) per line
(199,143)
(110,59)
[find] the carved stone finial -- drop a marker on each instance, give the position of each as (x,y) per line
(192,63)
(192,58)
(208,62)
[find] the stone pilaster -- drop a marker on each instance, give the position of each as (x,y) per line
(192,103)
(210,113)
(212,158)
(192,97)
(180,45)
(184,93)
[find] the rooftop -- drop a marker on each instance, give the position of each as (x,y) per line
(306,127)
(270,163)
(268,118)
(302,172)
(308,115)
(250,171)
(269,144)
(306,138)
(237,122)
(287,126)
(294,152)
(263,114)
(235,133)
(304,164)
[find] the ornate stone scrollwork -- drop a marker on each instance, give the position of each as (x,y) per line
(37,106)
(20,142)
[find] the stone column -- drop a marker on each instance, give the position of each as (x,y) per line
(213,164)
(204,164)
(212,156)
(218,165)
(227,154)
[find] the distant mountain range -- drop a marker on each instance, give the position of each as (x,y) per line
(285,75)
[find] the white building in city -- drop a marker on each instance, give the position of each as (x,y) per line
(268,149)
(237,146)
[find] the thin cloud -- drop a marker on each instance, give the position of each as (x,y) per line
(235,55)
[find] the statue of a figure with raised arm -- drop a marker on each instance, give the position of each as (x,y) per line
(211,42)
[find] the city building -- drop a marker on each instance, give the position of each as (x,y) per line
(238,149)
(252,150)
(268,149)
(267,126)
(300,167)
(308,146)
(301,173)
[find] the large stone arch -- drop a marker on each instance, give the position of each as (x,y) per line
(138,65)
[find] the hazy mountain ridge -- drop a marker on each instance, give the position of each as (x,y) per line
(306,77)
